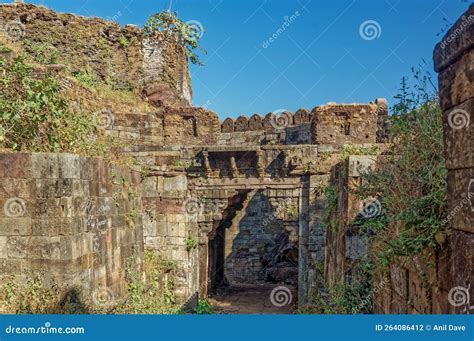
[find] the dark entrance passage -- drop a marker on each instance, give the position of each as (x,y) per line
(253,250)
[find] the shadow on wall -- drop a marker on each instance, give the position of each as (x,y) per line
(257,245)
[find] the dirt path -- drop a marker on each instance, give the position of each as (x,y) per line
(255,299)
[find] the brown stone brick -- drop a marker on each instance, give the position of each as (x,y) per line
(461,199)
(459,135)
(15,165)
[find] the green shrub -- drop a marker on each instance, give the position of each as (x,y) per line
(151,293)
(87,77)
(411,179)
(35,117)
(176,30)
(204,307)
(191,243)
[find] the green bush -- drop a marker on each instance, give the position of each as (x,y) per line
(35,117)
(151,293)
(204,307)
(178,31)
(410,179)
(87,77)
(191,243)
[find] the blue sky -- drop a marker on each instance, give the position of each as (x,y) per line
(320,57)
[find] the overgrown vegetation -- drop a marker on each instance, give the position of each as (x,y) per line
(36,117)
(148,292)
(410,184)
(176,30)
(411,179)
(31,297)
(87,77)
(351,149)
(355,297)
(42,53)
(151,293)
(191,243)
(204,307)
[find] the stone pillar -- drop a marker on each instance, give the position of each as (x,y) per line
(286,163)
(454,61)
(260,164)
(233,167)
(207,164)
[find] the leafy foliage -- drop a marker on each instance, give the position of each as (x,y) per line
(411,179)
(152,294)
(87,77)
(176,30)
(32,297)
(204,307)
(34,115)
(191,243)
(42,53)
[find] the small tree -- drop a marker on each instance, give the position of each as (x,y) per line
(187,34)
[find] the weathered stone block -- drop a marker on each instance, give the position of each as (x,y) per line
(44,248)
(461,199)
(360,164)
(21,188)
(457,40)
(459,135)
(45,166)
(69,166)
(15,165)
(17,247)
(15,226)
(3,247)
(455,82)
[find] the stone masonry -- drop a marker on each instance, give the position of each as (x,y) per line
(74,220)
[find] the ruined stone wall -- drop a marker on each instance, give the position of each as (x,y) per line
(74,221)
(336,125)
(275,128)
(431,282)
(121,56)
(454,60)
(167,228)
(329,124)
(347,245)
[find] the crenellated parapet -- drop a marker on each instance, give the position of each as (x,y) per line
(333,124)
